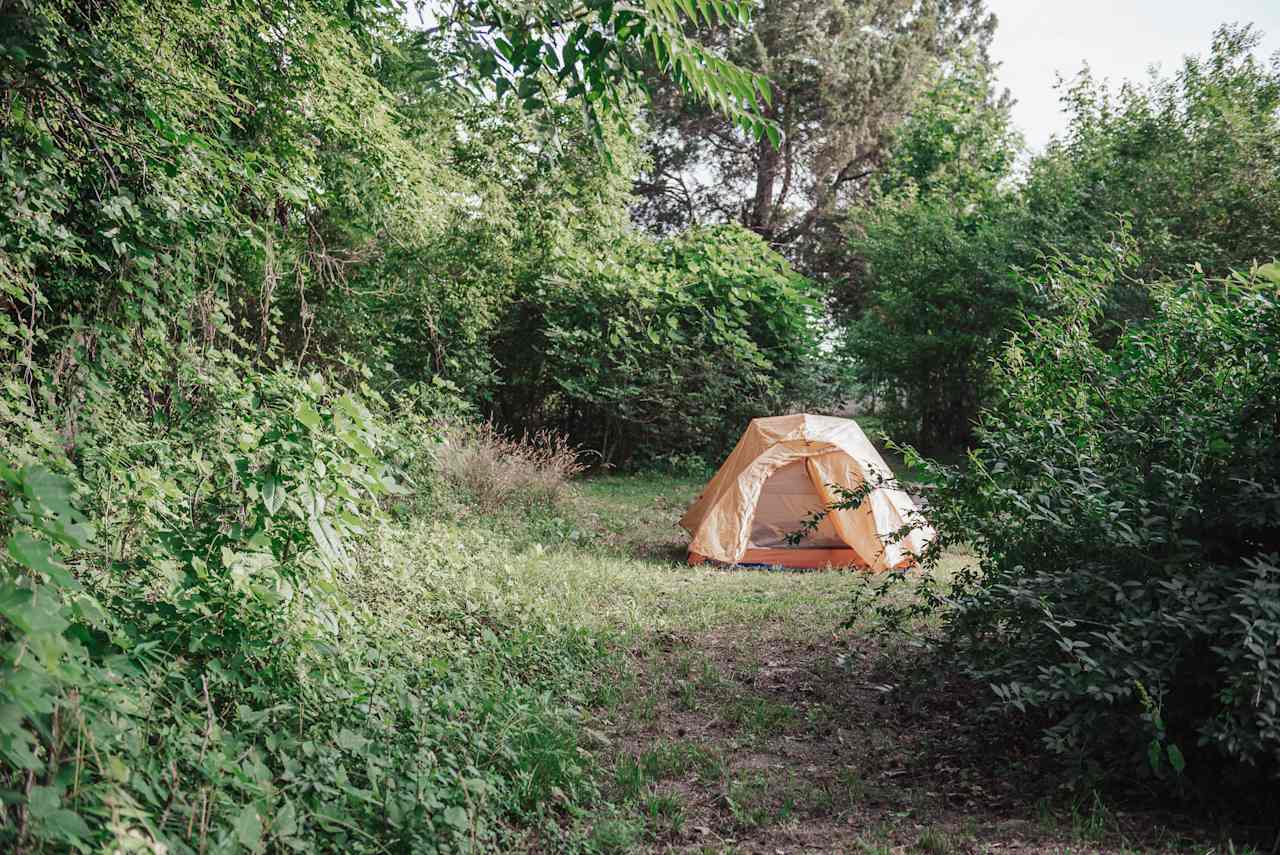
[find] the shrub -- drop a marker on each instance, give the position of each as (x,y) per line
(942,296)
(1125,504)
(665,346)
(496,472)
(1190,160)
(247,655)
(935,289)
(1189,163)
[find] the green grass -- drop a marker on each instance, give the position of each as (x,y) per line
(607,589)
(759,716)
(631,644)
(750,803)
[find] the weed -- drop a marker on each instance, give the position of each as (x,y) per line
(688,695)
(665,813)
(867,848)
(936,840)
(1045,817)
(629,778)
(615,835)
(709,677)
(1090,818)
(675,759)
(852,783)
(760,716)
(748,802)
(497,472)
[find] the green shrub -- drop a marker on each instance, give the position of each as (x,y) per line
(933,289)
(249,655)
(1125,504)
(1190,160)
(942,297)
(670,346)
(1187,164)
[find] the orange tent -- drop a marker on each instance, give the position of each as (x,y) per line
(778,474)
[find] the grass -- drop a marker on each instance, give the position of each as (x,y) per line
(732,710)
(675,759)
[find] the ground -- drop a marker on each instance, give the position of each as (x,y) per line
(740,715)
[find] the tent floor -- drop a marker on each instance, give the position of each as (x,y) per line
(800,558)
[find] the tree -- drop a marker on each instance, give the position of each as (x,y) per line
(936,287)
(844,74)
(596,51)
(1123,503)
(1191,162)
(662,346)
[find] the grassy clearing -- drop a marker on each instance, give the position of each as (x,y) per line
(737,713)
(715,710)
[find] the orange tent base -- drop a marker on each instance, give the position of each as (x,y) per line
(800,558)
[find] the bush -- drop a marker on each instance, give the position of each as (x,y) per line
(1187,164)
(936,290)
(1125,503)
(239,651)
(942,298)
(670,346)
(1191,161)
(497,473)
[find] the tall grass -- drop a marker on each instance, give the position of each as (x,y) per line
(496,472)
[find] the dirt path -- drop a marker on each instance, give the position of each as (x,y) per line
(747,721)
(725,745)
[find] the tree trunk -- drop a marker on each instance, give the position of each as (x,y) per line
(768,158)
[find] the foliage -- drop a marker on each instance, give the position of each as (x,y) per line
(247,260)
(1185,167)
(937,289)
(222,670)
(845,75)
(1125,503)
(40,600)
(595,50)
(669,345)
(943,299)
(1189,161)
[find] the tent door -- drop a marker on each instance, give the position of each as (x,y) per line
(787,498)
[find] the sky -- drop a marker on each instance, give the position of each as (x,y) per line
(1119,40)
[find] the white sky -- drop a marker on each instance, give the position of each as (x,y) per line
(1119,40)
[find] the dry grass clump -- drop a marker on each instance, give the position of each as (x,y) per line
(497,472)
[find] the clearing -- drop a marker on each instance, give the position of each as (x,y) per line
(741,716)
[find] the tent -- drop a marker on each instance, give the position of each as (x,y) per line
(777,475)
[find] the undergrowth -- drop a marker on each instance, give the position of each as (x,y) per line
(494,471)
(215,637)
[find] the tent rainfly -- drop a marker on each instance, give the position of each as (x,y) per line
(777,475)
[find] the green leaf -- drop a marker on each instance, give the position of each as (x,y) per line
(285,821)
(37,556)
(328,541)
(457,817)
(249,827)
(273,494)
(43,801)
(309,417)
(51,491)
(68,824)
(1176,760)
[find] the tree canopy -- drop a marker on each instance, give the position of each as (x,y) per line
(846,74)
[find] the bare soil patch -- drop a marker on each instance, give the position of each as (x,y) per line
(734,742)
